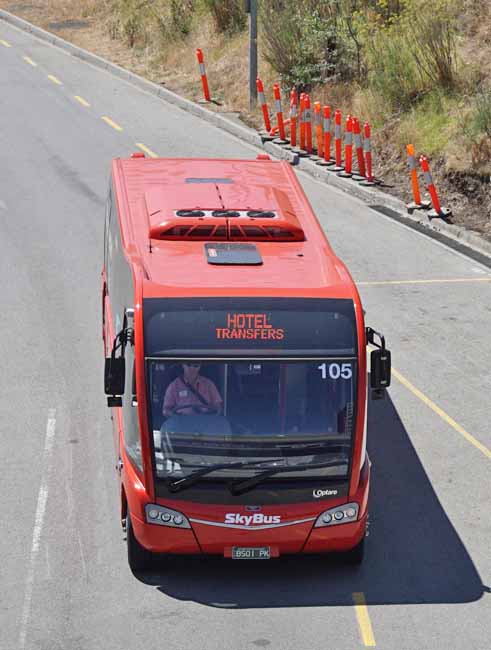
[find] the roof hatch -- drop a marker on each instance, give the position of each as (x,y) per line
(231,254)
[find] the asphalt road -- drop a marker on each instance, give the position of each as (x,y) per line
(64,579)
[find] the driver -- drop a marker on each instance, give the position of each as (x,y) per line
(191,393)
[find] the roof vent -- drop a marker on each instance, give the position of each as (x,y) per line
(225,213)
(190,213)
(264,214)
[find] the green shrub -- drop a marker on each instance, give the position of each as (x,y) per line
(411,53)
(481,118)
(431,124)
(229,15)
(392,70)
(174,18)
(135,20)
(181,13)
(431,30)
(128,15)
(307,41)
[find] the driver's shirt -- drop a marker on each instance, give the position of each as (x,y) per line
(178,394)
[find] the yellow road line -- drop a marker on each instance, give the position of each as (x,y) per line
(55,80)
(4,43)
(363,617)
(436,409)
(82,101)
(109,121)
(450,281)
(146,150)
(28,60)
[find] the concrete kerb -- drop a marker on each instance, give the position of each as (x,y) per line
(372,197)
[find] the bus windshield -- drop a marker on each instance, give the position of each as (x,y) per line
(252,415)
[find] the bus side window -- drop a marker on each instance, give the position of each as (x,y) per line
(134,400)
(106,231)
(130,414)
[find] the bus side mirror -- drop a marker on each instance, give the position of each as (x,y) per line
(114,375)
(380,365)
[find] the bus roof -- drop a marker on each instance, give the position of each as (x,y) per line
(162,203)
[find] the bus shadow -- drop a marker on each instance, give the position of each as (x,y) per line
(414,554)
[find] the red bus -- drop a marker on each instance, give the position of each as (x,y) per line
(235,368)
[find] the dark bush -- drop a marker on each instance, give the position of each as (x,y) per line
(229,15)
(308,41)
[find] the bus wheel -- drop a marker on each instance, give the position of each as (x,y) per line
(355,556)
(139,558)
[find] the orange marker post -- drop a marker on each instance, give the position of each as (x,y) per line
(318,129)
(204,78)
(367,149)
(302,122)
(337,141)
(308,124)
(417,204)
(326,128)
(348,149)
(264,105)
(438,210)
(279,114)
(359,149)
(293,117)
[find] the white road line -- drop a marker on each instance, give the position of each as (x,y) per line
(38,525)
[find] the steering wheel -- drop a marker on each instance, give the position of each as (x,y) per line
(198,409)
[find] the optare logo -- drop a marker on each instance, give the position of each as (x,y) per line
(248,520)
(324,493)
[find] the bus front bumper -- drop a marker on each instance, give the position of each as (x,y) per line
(209,540)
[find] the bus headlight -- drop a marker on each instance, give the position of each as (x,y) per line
(339,515)
(165,517)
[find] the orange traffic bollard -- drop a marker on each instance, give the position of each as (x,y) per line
(293,117)
(438,210)
(359,150)
(326,149)
(264,105)
(308,125)
(367,149)
(417,204)
(300,150)
(302,122)
(348,149)
(337,142)
(279,114)
(318,130)
(204,78)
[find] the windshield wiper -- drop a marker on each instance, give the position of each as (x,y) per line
(191,479)
(239,487)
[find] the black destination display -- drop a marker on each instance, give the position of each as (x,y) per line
(246,326)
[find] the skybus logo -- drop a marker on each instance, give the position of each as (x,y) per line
(247,520)
(250,326)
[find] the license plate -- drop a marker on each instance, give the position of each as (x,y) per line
(260,553)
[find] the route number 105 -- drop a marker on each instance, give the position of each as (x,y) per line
(336,370)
